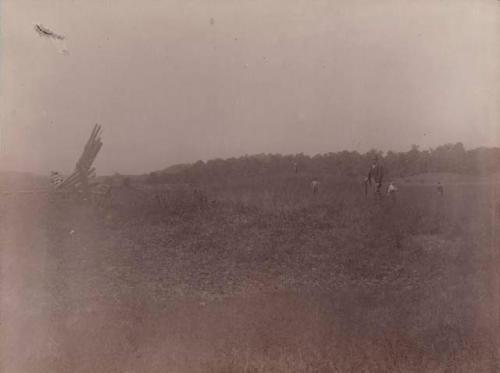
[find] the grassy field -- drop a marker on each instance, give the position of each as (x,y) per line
(255,275)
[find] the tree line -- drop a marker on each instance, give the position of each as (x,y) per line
(453,158)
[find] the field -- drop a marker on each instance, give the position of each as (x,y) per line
(257,275)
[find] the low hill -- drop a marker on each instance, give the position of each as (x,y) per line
(176,168)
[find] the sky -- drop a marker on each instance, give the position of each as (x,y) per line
(177,81)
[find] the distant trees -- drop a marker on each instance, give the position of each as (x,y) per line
(152,178)
(344,164)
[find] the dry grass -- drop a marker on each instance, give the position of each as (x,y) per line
(262,276)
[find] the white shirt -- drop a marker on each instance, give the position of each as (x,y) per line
(391,188)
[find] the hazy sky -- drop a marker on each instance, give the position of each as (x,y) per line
(178,81)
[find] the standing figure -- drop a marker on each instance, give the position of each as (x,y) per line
(366,184)
(391,191)
(440,189)
(296,167)
(376,174)
(315,186)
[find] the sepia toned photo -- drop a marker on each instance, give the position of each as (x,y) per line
(249,186)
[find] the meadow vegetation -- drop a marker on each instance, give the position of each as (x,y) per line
(257,274)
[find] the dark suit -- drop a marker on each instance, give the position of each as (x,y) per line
(376,174)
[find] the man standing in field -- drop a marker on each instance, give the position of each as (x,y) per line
(315,186)
(376,174)
(440,188)
(365,183)
(391,191)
